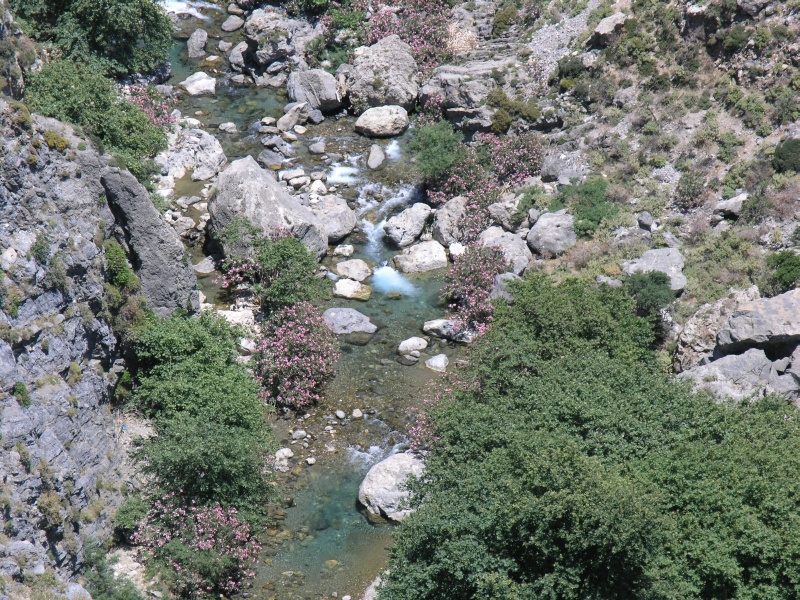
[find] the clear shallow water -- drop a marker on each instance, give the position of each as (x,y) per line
(322,543)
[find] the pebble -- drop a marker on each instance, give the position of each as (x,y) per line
(357,414)
(311,460)
(340,414)
(289,136)
(300,130)
(299,434)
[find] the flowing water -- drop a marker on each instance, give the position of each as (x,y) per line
(321,544)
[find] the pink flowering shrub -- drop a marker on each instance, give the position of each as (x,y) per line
(514,158)
(431,111)
(295,355)
(209,549)
(154,104)
(465,176)
(469,283)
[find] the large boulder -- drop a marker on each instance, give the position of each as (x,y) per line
(664,260)
(317,87)
(199,84)
(552,234)
(382,121)
(158,256)
(192,150)
(352,290)
(345,321)
(196,44)
(268,34)
(768,322)
(698,338)
(381,74)
(355,269)
(246,190)
(740,376)
(383,492)
(447,226)
(404,228)
(511,245)
(608,30)
(426,256)
(338,220)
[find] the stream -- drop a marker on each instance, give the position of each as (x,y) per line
(321,544)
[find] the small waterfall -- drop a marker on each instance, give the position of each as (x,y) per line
(385,279)
(185,7)
(393,150)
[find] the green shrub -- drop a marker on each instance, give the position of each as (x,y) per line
(787,156)
(55,141)
(121,36)
(20,392)
(40,251)
(501,121)
(119,272)
(503,20)
(755,209)
(100,579)
(736,38)
(784,272)
(57,274)
(589,204)
(690,190)
(79,94)
(49,504)
(437,148)
(651,291)
(129,515)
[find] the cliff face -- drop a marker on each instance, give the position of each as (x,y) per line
(62,467)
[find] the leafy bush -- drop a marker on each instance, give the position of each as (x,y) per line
(503,20)
(119,272)
(651,291)
(20,392)
(469,283)
(514,158)
(589,204)
(129,515)
(787,156)
(569,467)
(121,36)
(785,271)
(79,94)
(690,190)
(501,121)
(438,148)
(40,250)
(55,141)
(295,355)
(100,579)
(280,271)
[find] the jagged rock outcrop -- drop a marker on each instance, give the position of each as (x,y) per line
(159,258)
(192,150)
(762,323)
(246,190)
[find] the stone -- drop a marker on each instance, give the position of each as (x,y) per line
(167,278)
(291,118)
(317,187)
(664,260)
(513,247)
(311,460)
(563,167)
(228,127)
(355,269)
(237,56)
(300,129)
(344,321)
(609,281)
(246,190)
(696,342)
(426,256)
(199,84)
(232,23)
(382,74)
(340,414)
(763,323)
(192,150)
(344,250)
(299,434)
(196,44)
(382,121)
(243,318)
(352,290)
(371,593)
(500,287)
(383,491)
(376,157)
(626,97)
(205,266)
(608,30)
(456,249)
(271,159)
(404,228)
(282,457)
(438,363)
(446,228)
(317,148)
(740,376)
(412,344)
(337,218)
(224,46)
(731,208)
(645,220)
(317,88)
(504,212)
(357,414)
(448,329)
(552,234)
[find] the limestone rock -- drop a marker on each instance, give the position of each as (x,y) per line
(246,190)
(376,158)
(292,116)
(767,322)
(552,234)
(383,491)
(608,30)
(193,150)
(338,220)
(503,213)
(352,290)
(196,45)
(317,87)
(404,228)
(732,207)
(344,321)
(355,269)
(512,246)
(381,74)
(426,256)
(168,280)
(411,344)
(447,228)
(500,287)
(199,84)
(664,260)
(382,121)
(563,167)
(232,23)
(438,363)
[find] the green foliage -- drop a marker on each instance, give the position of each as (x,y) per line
(119,272)
(437,147)
(568,467)
(57,274)
(40,251)
(516,109)
(20,392)
(784,271)
(120,36)
(290,271)
(503,20)
(100,579)
(501,121)
(129,515)
(787,156)
(651,291)
(736,38)
(80,94)
(690,190)
(589,204)
(55,141)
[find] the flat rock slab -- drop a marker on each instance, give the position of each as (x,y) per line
(344,321)
(355,269)
(352,290)
(765,322)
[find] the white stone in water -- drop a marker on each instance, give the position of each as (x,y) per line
(457,249)
(199,84)
(299,129)
(357,414)
(284,453)
(299,434)
(340,414)
(317,187)
(438,363)
(228,127)
(344,250)
(311,460)
(412,344)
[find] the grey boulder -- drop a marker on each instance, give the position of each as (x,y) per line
(317,87)
(383,492)
(664,260)
(345,321)
(168,280)
(552,234)
(513,247)
(447,224)
(381,74)
(246,190)
(404,228)
(196,45)
(382,121)
(426,256)
(765,322)
(193,150)
(338,220)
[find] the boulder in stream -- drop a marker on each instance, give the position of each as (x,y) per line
(382,121)
(426,256)
(383,490)
(345,321)
(199,84)
(317,87)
